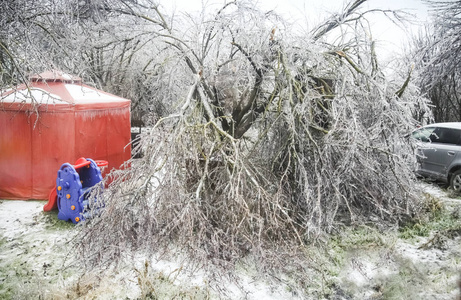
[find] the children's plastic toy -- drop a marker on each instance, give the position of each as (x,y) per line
(71,194)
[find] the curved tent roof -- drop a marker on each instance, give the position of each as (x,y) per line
(57,88)
(54,119)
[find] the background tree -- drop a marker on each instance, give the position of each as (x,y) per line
(80,38)
(437,49)
(20,21)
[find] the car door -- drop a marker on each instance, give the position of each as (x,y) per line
(439,151)
(422,136)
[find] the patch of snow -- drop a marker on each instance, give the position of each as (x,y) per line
(31,255)
(256,289)
(82,95)
(248,287)
(32,95)
(16,216)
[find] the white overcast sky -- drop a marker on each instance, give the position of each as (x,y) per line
(307,13)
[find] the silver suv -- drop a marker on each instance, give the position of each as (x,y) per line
(439,152)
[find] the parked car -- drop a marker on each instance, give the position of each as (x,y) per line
(439,152)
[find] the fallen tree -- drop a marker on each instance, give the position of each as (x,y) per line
(277,139)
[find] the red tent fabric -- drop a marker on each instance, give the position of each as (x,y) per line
(52,120)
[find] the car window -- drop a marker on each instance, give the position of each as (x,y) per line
(423,134)
(446,136)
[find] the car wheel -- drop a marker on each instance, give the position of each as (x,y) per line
(455,182)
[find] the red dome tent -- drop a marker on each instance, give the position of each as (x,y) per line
(52,120)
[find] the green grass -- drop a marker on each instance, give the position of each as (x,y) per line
(22,275)
(369,247)
(436,218)
(12,275)
(359,237)
(51,221)
(352,239)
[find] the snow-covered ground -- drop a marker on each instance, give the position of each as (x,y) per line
(426,266)
(32,253)
(36,261)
